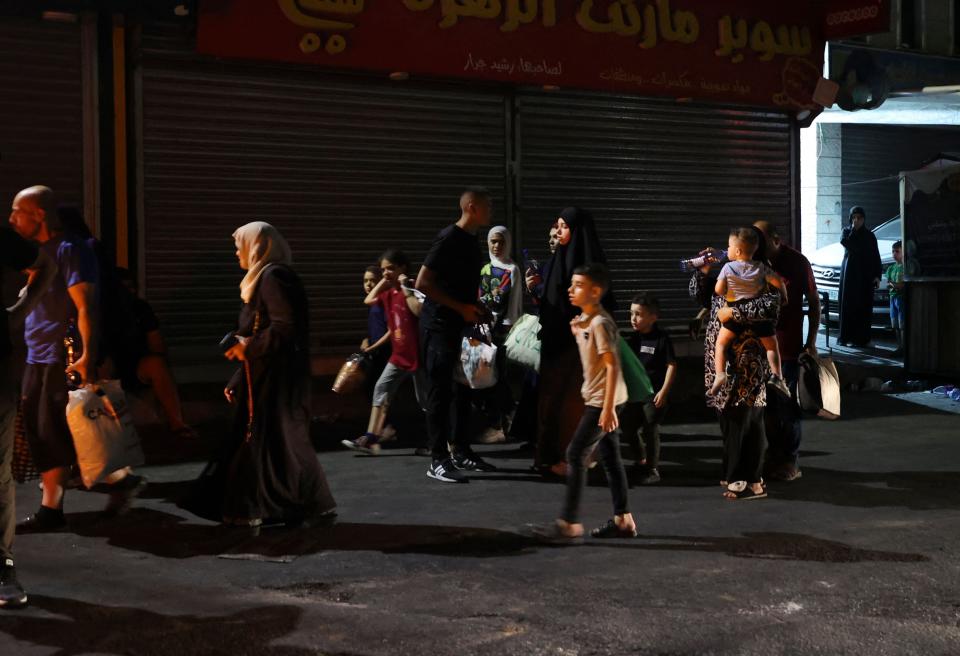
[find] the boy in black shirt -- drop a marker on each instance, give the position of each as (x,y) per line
(449,278)
(655,350)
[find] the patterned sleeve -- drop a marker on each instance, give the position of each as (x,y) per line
(762,308)
(700,289)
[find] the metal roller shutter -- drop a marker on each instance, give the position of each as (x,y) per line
(873,157)
(41,116)
(663,179)
(344,166)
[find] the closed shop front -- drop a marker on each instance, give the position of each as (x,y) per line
(41,115)
(234,127)
(345,166)
(663,180)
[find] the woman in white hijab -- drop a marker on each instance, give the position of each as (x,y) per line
(501,286)
(266,469)
(501,290)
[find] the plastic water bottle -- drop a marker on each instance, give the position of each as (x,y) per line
(712,256)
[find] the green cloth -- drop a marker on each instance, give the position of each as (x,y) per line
(639,387)
(895,274)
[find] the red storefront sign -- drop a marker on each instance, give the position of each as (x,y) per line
(845,18)
(760,53)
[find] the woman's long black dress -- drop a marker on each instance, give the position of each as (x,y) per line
(741,401)
(861,266)
(560,404)
(267,468)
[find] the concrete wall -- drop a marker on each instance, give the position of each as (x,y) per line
(820,174)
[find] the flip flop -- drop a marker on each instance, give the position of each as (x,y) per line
(740,491)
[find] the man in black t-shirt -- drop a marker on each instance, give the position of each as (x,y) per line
(16,254)
(450,278)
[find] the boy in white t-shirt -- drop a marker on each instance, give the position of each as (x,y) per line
(604,393)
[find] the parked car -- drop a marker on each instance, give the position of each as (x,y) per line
(826,263)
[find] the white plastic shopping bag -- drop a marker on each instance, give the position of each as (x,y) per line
(103,432)
(478,359)
(818,390)
(522,343)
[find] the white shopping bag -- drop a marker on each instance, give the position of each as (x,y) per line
(818,390)
(103,432)
(522,343)
(478,360)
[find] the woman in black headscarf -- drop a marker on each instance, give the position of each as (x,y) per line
(859,277)
(560,404)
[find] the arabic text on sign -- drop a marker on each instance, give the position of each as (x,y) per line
(656,20)
(515,12)
(735,36)
(304,12)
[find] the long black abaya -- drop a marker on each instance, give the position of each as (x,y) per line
(861,266)
(271,472)
(560,405)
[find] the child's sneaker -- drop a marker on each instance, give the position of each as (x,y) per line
(367,443)
(777,383)
(611,530)
(650,477)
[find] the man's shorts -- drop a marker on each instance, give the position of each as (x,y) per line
(43,399)
(896,313)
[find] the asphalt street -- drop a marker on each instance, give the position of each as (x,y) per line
(857,557)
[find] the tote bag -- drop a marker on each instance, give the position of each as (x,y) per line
(818,389)
(639,387)
(102,429)
(522,343)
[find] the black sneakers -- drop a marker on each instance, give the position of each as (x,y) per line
(650,477)
(11,592)
(446,472)
(611,530)
(470,461)
(45,520)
